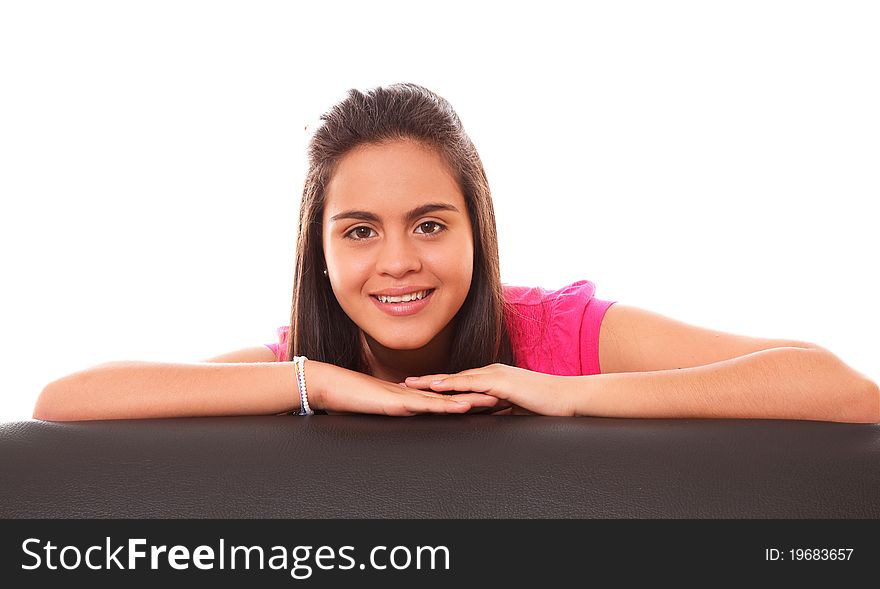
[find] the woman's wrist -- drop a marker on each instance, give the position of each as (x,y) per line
(315,375)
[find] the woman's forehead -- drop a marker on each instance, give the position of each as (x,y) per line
(390,180)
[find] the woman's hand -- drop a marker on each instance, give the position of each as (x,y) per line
(338,390)
(527,392)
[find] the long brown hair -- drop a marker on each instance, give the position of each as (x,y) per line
(319,328)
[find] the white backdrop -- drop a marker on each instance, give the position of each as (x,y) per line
(715,162)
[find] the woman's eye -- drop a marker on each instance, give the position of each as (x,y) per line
(360,233)
(430,224)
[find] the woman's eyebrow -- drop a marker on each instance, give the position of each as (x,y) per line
(410,216)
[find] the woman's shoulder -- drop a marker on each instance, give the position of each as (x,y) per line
(537,295)
(534,309)
(556,331)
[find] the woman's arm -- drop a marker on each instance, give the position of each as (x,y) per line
(656,366)
(780,383)
(139,390)
(134,390)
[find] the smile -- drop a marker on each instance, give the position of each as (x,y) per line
(403,305)
(404,298)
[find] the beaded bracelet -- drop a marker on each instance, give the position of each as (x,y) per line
(300,372)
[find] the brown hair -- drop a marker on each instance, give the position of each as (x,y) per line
(319,328)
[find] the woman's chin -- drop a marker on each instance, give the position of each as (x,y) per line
(403,344)
(400,341)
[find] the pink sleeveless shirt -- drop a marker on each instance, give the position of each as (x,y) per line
(552,331)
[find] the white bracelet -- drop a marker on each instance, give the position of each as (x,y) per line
(299,370)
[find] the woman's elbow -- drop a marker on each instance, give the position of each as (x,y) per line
(43,406)
(862,408)
(873,403)
(50,405)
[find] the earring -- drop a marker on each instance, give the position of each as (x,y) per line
(325,271)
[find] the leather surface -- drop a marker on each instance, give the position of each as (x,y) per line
(466,466)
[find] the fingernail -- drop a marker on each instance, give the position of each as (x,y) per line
(412,378)
(436,381)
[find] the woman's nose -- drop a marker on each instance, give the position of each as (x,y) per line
(397,255)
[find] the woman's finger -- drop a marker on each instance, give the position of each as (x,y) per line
(443,404)
(477,383)
(477,399)
(474,399)
(423,381)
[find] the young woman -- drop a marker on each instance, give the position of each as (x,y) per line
(398,309)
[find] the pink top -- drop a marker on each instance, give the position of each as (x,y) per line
(552,331)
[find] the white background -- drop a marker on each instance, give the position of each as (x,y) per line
(715,162)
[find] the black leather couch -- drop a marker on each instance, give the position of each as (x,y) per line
(466,466)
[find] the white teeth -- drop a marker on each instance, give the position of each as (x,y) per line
(403,299)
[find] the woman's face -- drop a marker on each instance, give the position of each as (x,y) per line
(380,236)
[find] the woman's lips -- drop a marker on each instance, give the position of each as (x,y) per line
(402,309)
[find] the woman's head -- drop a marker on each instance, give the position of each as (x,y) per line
(395,221)
(384,154)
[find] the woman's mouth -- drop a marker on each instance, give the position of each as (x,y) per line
(397,306)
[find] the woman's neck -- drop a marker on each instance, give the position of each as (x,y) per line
(395,365)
